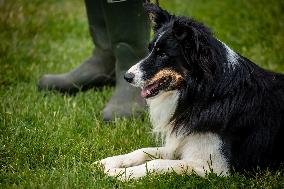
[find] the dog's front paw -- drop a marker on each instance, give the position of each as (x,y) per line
(111,162)
(133,159)
(123,161)
(123,174)
(116,172)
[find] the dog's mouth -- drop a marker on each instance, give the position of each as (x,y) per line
(155,87)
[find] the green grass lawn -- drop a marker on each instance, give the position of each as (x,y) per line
(50,141)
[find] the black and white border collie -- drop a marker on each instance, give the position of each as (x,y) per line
(214,109)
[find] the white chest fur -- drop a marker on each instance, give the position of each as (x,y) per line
(161,110)
(202,150)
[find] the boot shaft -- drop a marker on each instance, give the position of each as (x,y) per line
(118,22)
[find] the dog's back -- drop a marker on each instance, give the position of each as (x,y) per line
(254,134)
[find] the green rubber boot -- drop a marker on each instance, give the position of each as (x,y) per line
(120,32)
(126,100)
(129,32)
(98,70)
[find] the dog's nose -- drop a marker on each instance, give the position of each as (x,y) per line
(128,76)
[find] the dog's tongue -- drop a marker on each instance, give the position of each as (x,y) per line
(145,92)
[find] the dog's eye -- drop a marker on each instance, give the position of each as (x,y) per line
(162,54)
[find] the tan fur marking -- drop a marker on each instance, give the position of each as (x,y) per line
(152,18)
(176,78)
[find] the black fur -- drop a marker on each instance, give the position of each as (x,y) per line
(243,104)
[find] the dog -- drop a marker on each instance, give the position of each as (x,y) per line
(215,110)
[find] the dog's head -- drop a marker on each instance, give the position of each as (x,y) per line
(178,54)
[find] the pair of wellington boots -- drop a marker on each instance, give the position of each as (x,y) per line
(120,32)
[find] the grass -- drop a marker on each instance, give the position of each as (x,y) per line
(50,141)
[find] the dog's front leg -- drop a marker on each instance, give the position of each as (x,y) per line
(134,158)
(154,166)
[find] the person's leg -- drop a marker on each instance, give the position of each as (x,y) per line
(120,32)
(129,32)
(98,70)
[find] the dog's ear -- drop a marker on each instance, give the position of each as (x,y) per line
(157,16)
(195,38)
(180,30)
(185,33)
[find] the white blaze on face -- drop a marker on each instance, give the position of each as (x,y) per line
(136,69)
